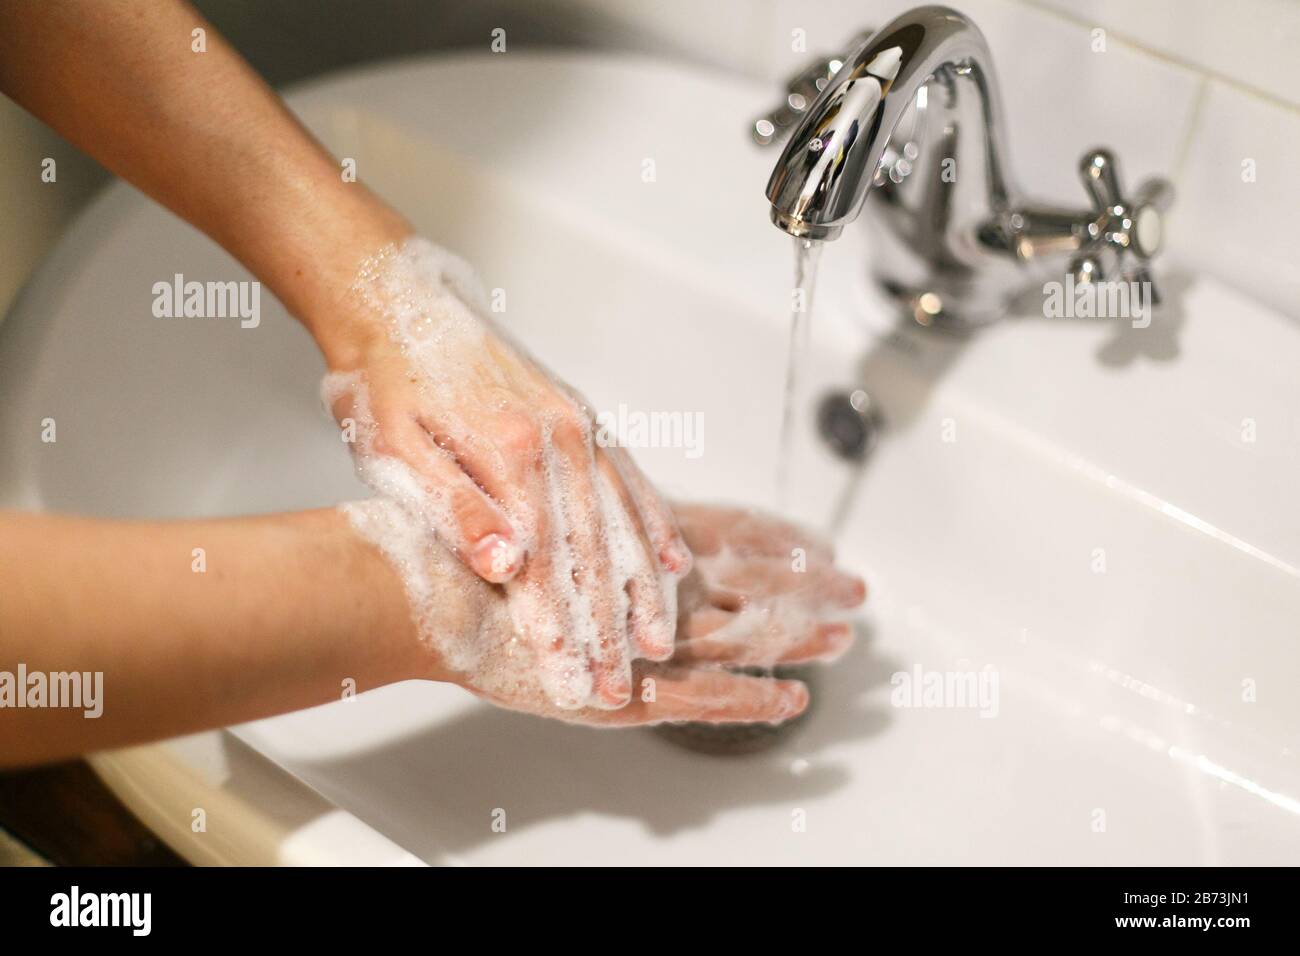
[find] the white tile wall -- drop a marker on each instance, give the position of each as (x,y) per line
(1224,223)
(1184,89)
(1060,97)
(1253,43)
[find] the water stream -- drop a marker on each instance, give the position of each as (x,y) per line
(807,252)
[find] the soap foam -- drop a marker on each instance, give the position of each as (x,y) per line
(767,628)
(436,313)
(745,567)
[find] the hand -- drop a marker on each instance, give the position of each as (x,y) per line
(743,606)
(763,592)
(498,459)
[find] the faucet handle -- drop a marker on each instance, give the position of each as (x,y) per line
(800,92)
(802,89)
(1122,229)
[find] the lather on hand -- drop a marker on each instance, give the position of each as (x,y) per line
(498,459)
(743,606)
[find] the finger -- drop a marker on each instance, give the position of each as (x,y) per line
(599,606)
(703,622)
(715,636)
(721,642)
(347,397)
(339,392)
(543,623)
(771,537)
(652,595)
(710,696)
(740,583)
(563,670)
(709,528)
(536,597)
(701,527)
(850,590)
(828,642)
(462,514)
(656,517)
(483,463)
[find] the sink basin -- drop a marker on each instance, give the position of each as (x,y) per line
(1074,507)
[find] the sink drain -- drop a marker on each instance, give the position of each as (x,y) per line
(849,422)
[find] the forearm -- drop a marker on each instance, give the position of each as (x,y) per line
(199,132)
(274,614)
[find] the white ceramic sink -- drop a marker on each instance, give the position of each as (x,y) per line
(1124,731)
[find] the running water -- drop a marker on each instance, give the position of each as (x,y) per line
(806,254)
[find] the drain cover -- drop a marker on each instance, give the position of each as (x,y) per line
(849,423)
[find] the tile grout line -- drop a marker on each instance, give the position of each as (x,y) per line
(1206,73)
(1184,153)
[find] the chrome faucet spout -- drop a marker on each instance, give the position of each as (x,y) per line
(829,164)
(908,132)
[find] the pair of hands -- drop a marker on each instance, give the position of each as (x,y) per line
(481,446)
(742,606)
(499,460)
(498,454)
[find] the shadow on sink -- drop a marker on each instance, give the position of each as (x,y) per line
(464,772)
(929,355)
(1158,342)
(1127,344)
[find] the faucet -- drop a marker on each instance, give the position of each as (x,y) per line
(907,130)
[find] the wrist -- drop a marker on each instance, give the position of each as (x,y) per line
(378,631)
(320,290)
(394,646)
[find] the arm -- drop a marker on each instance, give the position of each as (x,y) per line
(479,424)
(289,606)
(203,135)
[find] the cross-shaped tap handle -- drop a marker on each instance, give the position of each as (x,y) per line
(1125,232)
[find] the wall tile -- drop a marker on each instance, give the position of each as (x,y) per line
(1248,233)
(1060,97)
(1251,42)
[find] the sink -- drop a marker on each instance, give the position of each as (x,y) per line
(1074,507)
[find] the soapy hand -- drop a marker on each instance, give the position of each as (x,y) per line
(481,445)
(762,593)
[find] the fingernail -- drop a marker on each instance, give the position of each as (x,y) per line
(496,558)
(618,694)
(675,558)
(658,641)
(796,700)
(840,639)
